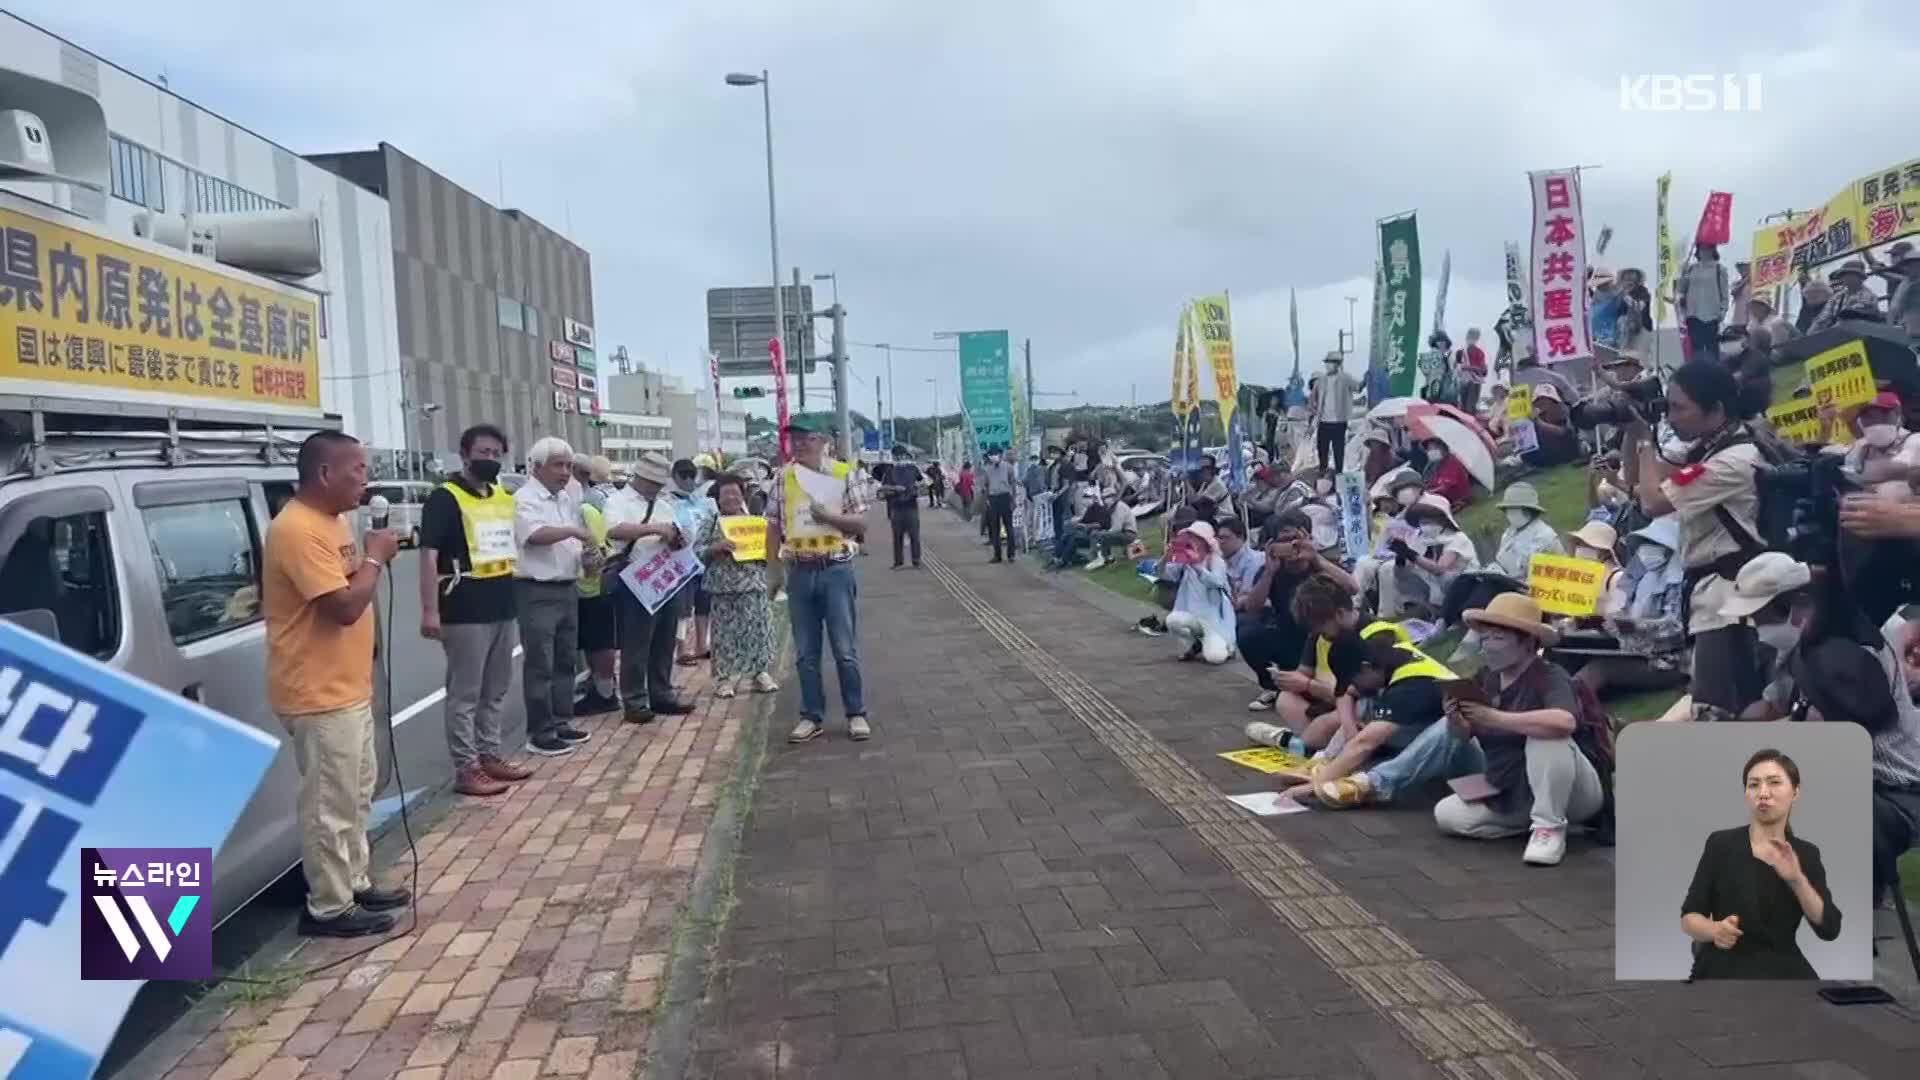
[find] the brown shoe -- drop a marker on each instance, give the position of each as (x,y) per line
(474,780)
(504,770)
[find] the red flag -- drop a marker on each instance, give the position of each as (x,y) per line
(1716,221)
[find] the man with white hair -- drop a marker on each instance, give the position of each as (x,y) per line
(552,537)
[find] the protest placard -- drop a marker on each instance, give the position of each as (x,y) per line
(1566,586)
(655,579)
(748,535)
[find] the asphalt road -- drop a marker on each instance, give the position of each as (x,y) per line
(417,673)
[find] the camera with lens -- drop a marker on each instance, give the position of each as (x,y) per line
(1641,399)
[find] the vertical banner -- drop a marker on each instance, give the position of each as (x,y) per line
(986,388)
(1663,247)
(1355,524)
(713,372)
(1516,277)
(1293,324)
(1716,219)
(1562,330)
(1216,329)
(1182,371)
(778,354)
(1440,298)
(1377,386)
(1400,257)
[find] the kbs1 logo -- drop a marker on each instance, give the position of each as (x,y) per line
(141,915)
(1690,93)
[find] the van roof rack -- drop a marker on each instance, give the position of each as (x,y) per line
(41,436)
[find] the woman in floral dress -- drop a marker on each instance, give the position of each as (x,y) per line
(742,614)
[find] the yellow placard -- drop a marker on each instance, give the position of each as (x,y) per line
(1267,759)
(98,315)
(1566,586)
(1520,401)
(1888,203)
(1214,314)
(1841,376)
(1806,239)
(748,535)
(1798,421)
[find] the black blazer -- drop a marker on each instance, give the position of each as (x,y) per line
(1730,881)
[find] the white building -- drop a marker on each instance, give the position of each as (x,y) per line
(168,155)
(732,436)
(627,435)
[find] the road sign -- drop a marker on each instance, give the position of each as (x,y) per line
(760,369)
(739,322)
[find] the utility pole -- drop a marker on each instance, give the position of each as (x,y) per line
(879,409)
(840,380)
(1032,417)
(803,319)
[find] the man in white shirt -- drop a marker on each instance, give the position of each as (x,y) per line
(551,537)
(1123,528)
(640,523)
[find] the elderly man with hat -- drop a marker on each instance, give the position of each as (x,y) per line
(1543,755)
(640,525)
(1902,274)
(1852,299)
(1885,456)
(1330,404)
(1766,330)
(1528,532)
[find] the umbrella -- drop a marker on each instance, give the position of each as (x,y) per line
(1393,408)
(1465,440)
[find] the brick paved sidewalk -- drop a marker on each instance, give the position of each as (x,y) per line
(1031,871)
(544,925)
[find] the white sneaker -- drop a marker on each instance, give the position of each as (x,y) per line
(1273,735)
(780,597)
(1096,564)
(1263,703)
(724,690)
(1546,847)
(858,728)
(763,684)
(804,731)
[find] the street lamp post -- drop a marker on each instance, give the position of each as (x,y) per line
(773,222)
(892,427)
(939,428)
(833,277)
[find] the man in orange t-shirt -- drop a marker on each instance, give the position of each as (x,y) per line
(317,592)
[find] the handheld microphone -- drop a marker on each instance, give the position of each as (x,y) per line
(378,509)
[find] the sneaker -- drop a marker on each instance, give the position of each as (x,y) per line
(594,703)
(1151,627)
(780,597)
(1345,793)
(548,746)
(725,689)
(1097,563)
(1280,738)
(805,731)
(637,714)
(858,729)
(503,770)
(375,898)
(567,733)
(1264,703)
(353,922)
(474,781)
(763,684)
(673,708)
(1546,847)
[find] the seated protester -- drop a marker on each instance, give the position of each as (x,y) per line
(1277,638)
(1274,489)
(1326,535)
(1166,580)
(1886,456)
(1528,532)
(1852,299)
(1493,412)
(1380,460)
(1430,561)
(1559,442)
(1896,751)
(1446,476)
(1211,486)
(1324,606)
(1774,593)
(1078,534)
(1122,530)
(1245,562)
(1395,699)
(1642,612)
(1391,495)
(1541,743)
(1595,542)
(1718,504)
(1202,616)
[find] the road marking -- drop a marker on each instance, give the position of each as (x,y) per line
(434,698)
(1455,1027)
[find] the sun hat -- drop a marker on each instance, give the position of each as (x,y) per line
(1663,530)
(1521,496)
(1851,266)
(599,469)
(1597,534)
(1335,356)
(1432,505)
(1766,576)
(1393,480)
(1901,252)
(1885,399)
(1375,435)
(1204,531)
(1547,391)
(1514,611)
(654,468)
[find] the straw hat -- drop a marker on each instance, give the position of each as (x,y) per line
(1514,611)
(1597,534)
(654,468)
(1521,496)
(1432,505)
(1766,576)
(599,469)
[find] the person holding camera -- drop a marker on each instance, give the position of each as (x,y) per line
(1715,491)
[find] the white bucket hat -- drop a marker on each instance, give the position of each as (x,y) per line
(1766,576)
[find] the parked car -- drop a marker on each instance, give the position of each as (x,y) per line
(406,501)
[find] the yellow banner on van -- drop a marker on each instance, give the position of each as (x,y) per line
(1566,586)
(96,315)
(1520,401)
(1841,376)
(748,535)
(1889,203)
(1808,239)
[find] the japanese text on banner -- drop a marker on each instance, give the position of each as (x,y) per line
(1561,327)
(1798,421)
(1400,302)
(1841,376)
(748,535)
(1566,586)
(79,309)
(655,579)
(1520,402)
(1216,331)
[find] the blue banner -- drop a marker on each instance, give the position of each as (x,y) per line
(91,757)
(986,388)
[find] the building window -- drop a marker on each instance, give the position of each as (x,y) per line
(511,313)
(136,175)
(533,320)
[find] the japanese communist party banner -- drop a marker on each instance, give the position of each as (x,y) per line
(1561,328)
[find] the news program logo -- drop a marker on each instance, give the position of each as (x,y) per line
(141,915)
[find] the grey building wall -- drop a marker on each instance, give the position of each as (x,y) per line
(455,257)
(640,392)
(682,410)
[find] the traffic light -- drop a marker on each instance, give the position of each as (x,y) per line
(748,391)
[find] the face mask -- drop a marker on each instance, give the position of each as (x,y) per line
(1651,556)
(1782,637)
(1324,487)
(1331,368)
(1879,436)
(1436,451)
(1518,518)
(1580,552)
(1430,530)
(1406,496)
(1504,651)
(485,470)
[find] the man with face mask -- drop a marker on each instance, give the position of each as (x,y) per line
(1540,751)
(996,481)
(1886,456)
(1330,403)
(1773,592)
(902,494)
(468,605)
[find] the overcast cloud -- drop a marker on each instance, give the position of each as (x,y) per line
(1070,171)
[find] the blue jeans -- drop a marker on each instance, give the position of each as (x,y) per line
(1434,754)
(821,598)
(1067,541)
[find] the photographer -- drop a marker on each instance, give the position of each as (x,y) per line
(1714,491)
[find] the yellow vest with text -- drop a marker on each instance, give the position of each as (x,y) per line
(794,500)
(597,527)
(485,521)
(1322,673)
(1421,667)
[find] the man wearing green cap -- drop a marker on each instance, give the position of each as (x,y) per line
(815,519)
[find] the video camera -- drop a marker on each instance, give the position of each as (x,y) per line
(1641,399)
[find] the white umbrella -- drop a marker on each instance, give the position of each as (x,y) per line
(1393,408)
(1464,441)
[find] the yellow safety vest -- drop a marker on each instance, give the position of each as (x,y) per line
(807,541)
(488,522)
(1422,667)
(597,528)
(1322,673)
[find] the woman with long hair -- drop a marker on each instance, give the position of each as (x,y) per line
(1754,884)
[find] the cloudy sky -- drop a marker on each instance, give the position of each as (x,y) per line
(1070,171)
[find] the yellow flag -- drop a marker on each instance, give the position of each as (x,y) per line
(1180,365)
(1216,332)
